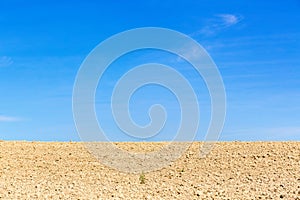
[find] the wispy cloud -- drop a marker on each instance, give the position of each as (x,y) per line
(190,52)
(5,61)
(218,23)
(229,20)
(4,118)
(271,133)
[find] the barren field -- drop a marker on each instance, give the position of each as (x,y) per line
(233,170)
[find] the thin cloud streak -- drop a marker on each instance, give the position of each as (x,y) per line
(5,61)
(277,133)
(228,19)
(218,23)
(4,118)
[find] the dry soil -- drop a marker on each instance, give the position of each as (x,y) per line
(233,170)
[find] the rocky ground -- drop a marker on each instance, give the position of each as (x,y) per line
(233,170)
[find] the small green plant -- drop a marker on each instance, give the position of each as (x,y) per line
(142,178)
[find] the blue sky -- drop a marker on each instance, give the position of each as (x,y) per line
(255,45)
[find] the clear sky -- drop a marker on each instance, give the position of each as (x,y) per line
(255,45)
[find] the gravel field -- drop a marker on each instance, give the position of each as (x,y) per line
(233,170)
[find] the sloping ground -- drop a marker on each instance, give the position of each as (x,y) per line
(233,170)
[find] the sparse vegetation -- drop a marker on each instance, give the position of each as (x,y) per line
(142,178)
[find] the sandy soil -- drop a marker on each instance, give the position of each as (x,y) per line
(233,170)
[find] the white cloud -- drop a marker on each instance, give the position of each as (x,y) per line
(229,20)
(194,54)
(4,118)
(265,134)
(189,52)
(218,23)
(5,61)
